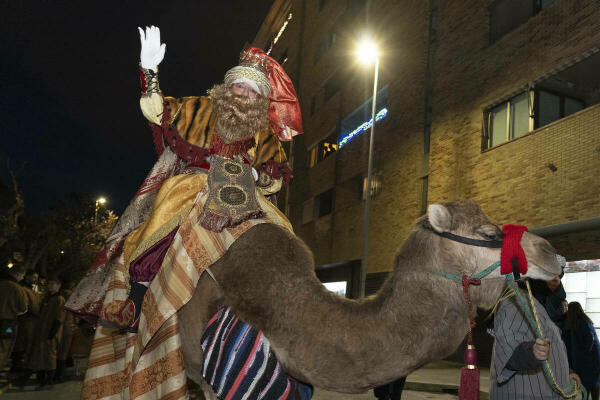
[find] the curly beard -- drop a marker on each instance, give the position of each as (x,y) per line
(238,117)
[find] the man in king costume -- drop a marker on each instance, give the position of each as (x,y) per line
(220,163)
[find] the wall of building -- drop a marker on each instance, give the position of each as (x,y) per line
(513,181)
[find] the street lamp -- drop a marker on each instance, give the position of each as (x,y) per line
(367,53)
(99,201)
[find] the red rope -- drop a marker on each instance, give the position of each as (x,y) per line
(466,281)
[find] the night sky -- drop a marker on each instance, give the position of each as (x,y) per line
(69,84)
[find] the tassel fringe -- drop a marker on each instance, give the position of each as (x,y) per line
(469,384)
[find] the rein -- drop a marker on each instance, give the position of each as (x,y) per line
(528,310)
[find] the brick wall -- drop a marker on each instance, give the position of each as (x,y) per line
(512,181)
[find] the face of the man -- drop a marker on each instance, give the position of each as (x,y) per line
(554,283)
(243,89)
(31,279)
(19,277)
(53,287)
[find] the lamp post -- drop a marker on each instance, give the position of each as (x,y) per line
(367,53)
(99,201)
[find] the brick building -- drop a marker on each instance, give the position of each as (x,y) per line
(494,101)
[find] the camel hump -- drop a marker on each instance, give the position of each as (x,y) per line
(268,238)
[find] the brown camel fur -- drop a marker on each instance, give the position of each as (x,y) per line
(268,278)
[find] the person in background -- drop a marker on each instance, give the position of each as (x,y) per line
(583,348)
(42,356)
(13,302)
(31,280)
(552,295)
(26,322)
(64,347)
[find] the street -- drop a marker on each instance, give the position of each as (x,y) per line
(70,391)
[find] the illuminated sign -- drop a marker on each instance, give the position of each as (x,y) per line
(346,138)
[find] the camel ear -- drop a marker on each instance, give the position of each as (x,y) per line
(439,217)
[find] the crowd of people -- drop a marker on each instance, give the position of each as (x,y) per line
(37,335)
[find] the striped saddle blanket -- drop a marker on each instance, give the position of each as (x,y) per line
(239,363)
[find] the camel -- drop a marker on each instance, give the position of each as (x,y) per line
(350,346)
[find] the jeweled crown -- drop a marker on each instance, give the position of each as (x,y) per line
(254,60)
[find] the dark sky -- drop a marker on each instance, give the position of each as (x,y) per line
(69,86)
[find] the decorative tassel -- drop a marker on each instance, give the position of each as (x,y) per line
(469,376)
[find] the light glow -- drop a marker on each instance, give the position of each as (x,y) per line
(367,51)
(101,200)
(285,24)
(10,265)
(346,138)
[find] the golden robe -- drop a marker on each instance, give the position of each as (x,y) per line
(195,123)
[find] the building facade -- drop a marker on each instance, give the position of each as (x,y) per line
(494,101)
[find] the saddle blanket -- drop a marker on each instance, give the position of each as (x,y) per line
(239,363)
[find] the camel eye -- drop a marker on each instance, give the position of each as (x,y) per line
(488,236)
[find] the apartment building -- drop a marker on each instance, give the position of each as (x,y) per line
(495,101)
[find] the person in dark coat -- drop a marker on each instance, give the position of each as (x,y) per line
(27,321)
(583,348)
(551,294)
(13,303)
(48,332)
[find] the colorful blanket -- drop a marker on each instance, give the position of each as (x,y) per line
(239,363)
(149,363)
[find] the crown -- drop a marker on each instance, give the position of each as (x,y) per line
(252,59)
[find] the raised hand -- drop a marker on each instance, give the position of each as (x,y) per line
(152,52)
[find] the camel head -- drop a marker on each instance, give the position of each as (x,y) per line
(466,219)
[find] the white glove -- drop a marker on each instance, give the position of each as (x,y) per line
(153,51)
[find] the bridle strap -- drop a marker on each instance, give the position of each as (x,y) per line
(494,244)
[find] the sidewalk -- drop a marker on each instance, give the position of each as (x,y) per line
(437,380)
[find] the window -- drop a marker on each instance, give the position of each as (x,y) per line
(327,147)
(322,150)
(514,118)
(355,6)
(552,107)
(317,207)
(312,157)
(333,85)
(325,43)
(323,204)
(506,15)
(508,120)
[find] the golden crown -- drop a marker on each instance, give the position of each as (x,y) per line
(253,60)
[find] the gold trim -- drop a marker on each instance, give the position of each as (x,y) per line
(471,346)
(160,233)
(471,366)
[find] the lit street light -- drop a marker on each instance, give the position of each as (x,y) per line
(367,53)
(99,201)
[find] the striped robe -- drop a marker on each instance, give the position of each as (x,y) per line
(149,363)
(510,329)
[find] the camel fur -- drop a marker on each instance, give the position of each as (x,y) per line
(344,345)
